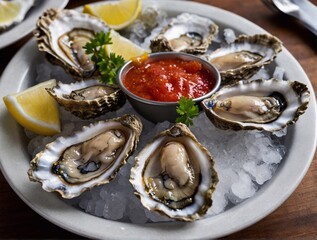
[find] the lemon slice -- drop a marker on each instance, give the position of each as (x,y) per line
(13,11)
(123,46)
(35,109)
(9,11)
(117,14)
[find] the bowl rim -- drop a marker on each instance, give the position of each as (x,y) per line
(164,55)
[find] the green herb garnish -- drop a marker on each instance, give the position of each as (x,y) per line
(187,110)
(108,65)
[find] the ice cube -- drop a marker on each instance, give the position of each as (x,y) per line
(261,173)
(229,35)
(243,188)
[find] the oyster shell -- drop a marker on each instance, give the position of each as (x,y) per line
(244,57)
(87,99)
(91,157)
(62,35)
(186,33)
(174,175)
(259,104)
(24,5)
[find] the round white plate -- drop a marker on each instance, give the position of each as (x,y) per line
(20,30)
(14,159)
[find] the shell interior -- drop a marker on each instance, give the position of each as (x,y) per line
(95,101)
(294,94)
(186,33)
(245,56)
(44,167)
(54,24)
(189,206)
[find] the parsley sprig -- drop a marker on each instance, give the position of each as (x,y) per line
(187,110)
(108,65)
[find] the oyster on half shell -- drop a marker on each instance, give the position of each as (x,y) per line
(174,175)
(259,104)
(62,35)
(91,157)
(87,99)
(244,57)
(186,33)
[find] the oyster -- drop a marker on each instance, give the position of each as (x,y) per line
(91,157)
(62,35)
(186,33)
(244,57)
(174,175)
(23,6)
(87,99)
(259,104)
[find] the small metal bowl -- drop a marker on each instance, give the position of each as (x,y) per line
(157,111)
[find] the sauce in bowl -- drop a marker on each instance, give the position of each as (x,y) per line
(166,80)
(155,82)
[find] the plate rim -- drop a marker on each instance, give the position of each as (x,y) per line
(25,27)
(119,230)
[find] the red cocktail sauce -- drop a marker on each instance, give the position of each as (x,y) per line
(168,80)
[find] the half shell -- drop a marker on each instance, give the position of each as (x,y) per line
(259,104)
(244,57)
(91,157)
(62,34)
(87,99)
(174,175)
(186,33)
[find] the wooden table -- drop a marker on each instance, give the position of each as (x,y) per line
(297,217)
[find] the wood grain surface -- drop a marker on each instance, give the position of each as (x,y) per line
(295,218)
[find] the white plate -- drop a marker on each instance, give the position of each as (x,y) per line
(27,25)
(14,158)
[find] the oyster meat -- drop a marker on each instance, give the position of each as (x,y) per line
(62,35)
(72,44)
(23,6)
(245,108)
(186,33)
(70,165)
(87,99)
(244,57)
(174,175)
(259,104)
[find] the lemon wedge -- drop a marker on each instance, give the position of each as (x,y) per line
(13,11)
(35,109)
(123,46)
(116,14)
